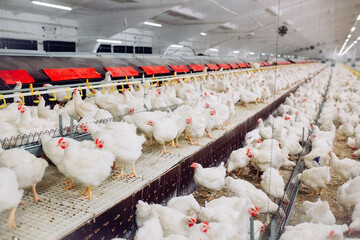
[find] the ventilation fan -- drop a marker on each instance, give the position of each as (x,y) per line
(282,30)
(312,47)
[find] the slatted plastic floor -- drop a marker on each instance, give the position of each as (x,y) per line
(61,212)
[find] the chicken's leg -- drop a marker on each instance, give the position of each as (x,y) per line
(177,143)
(208,134)
(133,174)
(257,173)
(36,197)
(223,127)
(320,191)
(87,193)
(244,104)
(121,175)
(114,166)
(312,193)
(11,219)
(190,140)
(198,142)
(151,142)
(68,181)
(164,150)
(172,144)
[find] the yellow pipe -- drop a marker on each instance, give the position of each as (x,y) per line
(38,93)
(22,98)
(80,91)
(4,101)
(103,87)
(54,98)
(68,92)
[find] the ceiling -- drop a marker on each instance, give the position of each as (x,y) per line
(316,28)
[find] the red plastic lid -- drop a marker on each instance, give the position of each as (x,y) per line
(242,65)
(224,66)
(234,65)
(12,76)
(179,68)
(122,71)
(197,67)
(212,66)
(150,70)
(62,74)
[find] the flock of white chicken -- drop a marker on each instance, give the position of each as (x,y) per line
(267,148)
(204,104)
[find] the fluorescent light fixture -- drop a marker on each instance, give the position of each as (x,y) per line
(349,36)
(263,54)
(203,34)
(358,18)
(251,53)
(176,46)
(271,54)
(355,41)
(52,5)
(358,38)
(352,29)
(236,51)
(153,24)
(279,55)
(213,49)
(108,41)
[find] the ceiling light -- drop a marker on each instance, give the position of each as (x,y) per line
(236,51)
(358,18)
(274,11)
(52,5)
(176,46)
(213,49)
(251,53)
(352,29)
(271,54)
(263,54)
(349,36)
(153,24)
(108,41)
(203,34)
(279,55)
(358,38)
(355,41)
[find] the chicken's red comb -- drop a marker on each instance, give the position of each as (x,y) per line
(206,223)
(193,220)
(60,140)
(248,151)
(256,208)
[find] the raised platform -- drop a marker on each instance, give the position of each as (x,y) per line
(111,213)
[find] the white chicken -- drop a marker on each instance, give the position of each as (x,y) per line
(347,168)
(165,130)
(211,178)
(272,183)
(185,204)
(121,140)
(238,159)
(90,166)
(314,231)
(28,168)
(355,225)
(151,229)
(243,189)
(10,194)
(319,212)
(348,194)
(315,178)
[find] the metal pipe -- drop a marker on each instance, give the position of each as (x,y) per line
(100,84)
